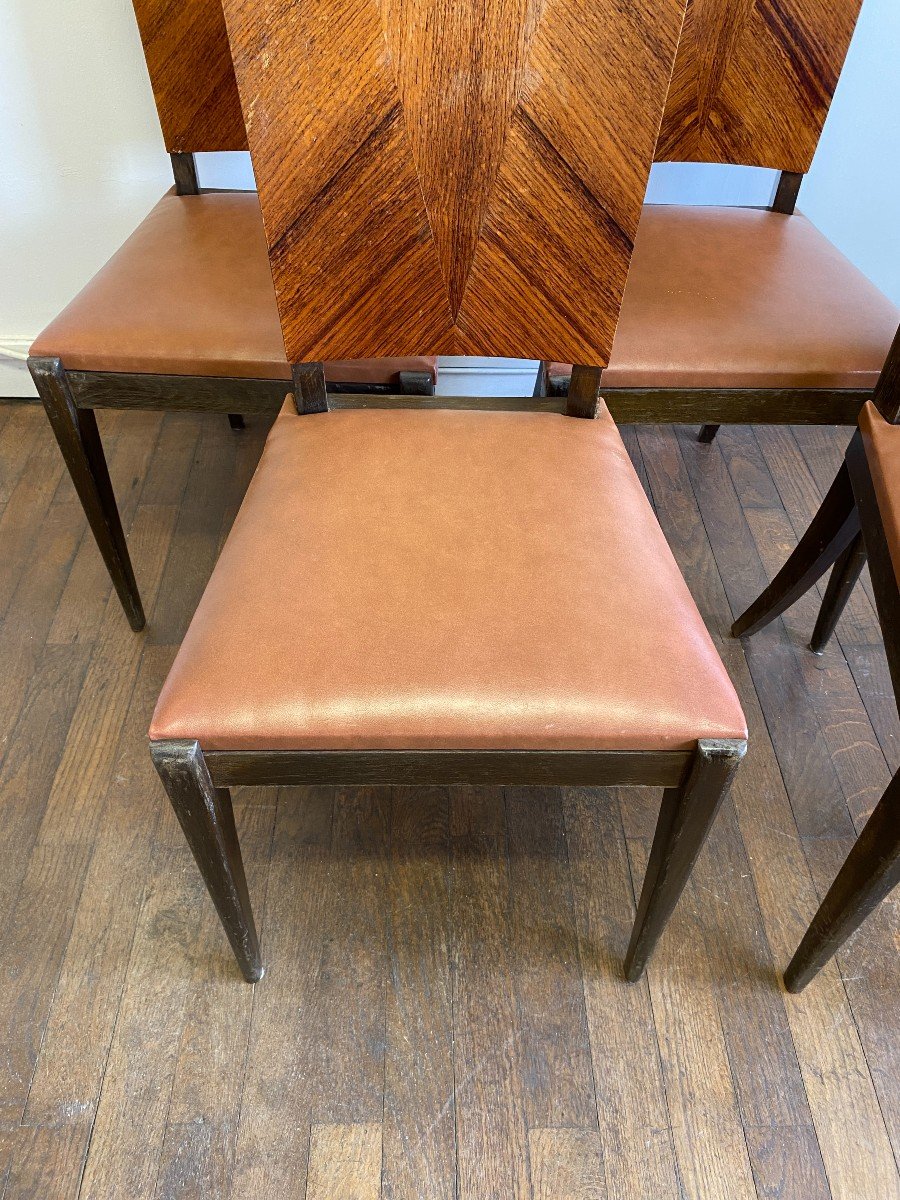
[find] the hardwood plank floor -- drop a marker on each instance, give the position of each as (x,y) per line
(443,1015)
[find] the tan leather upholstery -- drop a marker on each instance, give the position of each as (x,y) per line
(190,293)
(446,579)
(882,445)
(744,298)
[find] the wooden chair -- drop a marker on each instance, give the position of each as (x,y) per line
(737,314)
(859,519)
(183,316)
(472,593)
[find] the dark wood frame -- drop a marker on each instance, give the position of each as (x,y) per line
(197,784)
(712,407)
(70,397)
(847,530)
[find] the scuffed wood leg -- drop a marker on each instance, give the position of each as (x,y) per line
(207,818)
(684,821)
(79,440)
(871,871)
(832,530)
(844,574)
(708,433)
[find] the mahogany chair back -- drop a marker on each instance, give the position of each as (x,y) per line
(189,61)
(754,79)
(448,178)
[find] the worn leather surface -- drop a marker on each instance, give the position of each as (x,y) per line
(881,441)
(744,298)
(446,579)
(190,293)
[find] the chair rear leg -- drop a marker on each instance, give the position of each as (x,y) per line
(707,434)
(871,871)
(685,818)
(832,530)
(76,432)
(236,421)
(844,574)
(207,818)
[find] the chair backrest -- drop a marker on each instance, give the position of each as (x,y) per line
(451,178)
(189,60)
(754,79)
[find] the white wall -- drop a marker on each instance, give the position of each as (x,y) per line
(82,160)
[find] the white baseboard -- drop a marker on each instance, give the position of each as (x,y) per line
(14,377)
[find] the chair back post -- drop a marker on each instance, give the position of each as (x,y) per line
(404,216)
(886,396)
(786,192)
(184,169)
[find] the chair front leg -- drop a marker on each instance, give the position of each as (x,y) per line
(707,434)
(79,440)
(832,530)
(871,871)
(685,818)
(844,574)
(236,421)
(207,818)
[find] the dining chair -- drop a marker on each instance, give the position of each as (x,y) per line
(743,314)
(455,590)
(859,520)
(183,316)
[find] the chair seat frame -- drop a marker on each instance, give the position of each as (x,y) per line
(198,785)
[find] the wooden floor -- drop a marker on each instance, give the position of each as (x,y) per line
(443,1014)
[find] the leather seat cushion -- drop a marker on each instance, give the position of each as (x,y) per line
(446,579)
(190,293)
(881,441)
(744,298)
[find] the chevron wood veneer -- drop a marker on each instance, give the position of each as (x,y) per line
(189,60)
(754,79)
(452,176)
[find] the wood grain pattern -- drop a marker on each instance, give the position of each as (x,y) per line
(189,60)
(468,180)
(754,79)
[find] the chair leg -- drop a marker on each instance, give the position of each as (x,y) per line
(871,871)
(833,528)
(685,818)
(708,433)
(207,818)
(76,432)
(844,574)
(236,421)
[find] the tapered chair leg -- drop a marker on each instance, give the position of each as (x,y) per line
(707,434)
(871,871)
(832,530)
(207,818)
(236,421)
(844,574)
(76,432)
(685,818)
